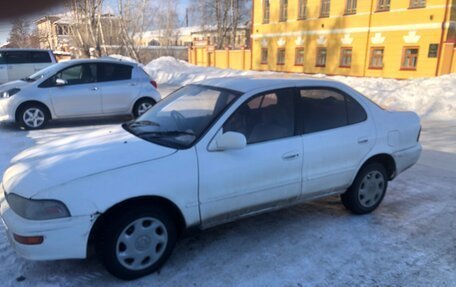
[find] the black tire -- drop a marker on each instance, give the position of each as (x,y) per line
(23,113)
(137,107)
(368,189)
(109,244)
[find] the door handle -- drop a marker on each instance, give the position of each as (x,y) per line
(133,84)
(363,140)
(95,89)
(290,155)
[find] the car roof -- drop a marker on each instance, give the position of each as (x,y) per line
(246,84)
(99,60)
(23,49)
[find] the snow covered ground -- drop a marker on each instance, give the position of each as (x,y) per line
(409,241)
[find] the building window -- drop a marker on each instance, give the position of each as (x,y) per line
(345,57)
(281,56)
(321,57)
(283,10)
(302,9)
(299,56)
(350,7)
(376,58)
(409,58)
(264,55)
(383,5)
(325,5)
(417,3)
(266,11)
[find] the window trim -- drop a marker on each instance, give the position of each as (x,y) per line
(284,57)
(261,56)
(352,11)
(341,57)
(383,8)
(296,54)
(266,12)
(283,11)
(300,3)
(416,7)
(327,13)
(335,89)
(404,49)
(318,55)
(370,58)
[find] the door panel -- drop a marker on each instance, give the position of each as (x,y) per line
(264,174)
(118,90)
(337,135)
(81,96)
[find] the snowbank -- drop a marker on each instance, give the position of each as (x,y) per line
(431,98)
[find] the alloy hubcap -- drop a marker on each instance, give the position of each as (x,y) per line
(144,107)
(141,243)
(33,117)
(371,189)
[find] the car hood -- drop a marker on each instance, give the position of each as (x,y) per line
(14,84)
(75,157)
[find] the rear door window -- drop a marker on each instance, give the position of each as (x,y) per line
(322,109)
(114,72)
(41,57)
(18,57)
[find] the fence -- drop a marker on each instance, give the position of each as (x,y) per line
(207,56)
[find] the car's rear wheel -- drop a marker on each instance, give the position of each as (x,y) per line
(142,106)
(32,116)
(137,242)
(368,189)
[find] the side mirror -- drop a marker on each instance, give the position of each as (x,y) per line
(60,82)
(231,140)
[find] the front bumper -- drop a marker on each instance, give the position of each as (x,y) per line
(6,114)
(64,238)
(407,158)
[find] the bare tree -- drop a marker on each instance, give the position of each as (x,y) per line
(225,15)
(21,35)
(135,18)
(86,29)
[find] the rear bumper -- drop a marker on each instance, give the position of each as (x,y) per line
(406,158)
(64,238)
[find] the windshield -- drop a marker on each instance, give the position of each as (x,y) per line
(50,70)
(181,118)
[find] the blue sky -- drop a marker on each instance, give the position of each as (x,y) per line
(5,26)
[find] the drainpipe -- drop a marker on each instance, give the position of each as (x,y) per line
(366,57)
(442,37)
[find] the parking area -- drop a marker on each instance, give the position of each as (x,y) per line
(409,241)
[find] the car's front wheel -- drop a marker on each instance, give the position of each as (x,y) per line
(137,242)
(368,189)
(32,116)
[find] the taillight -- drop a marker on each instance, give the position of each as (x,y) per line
(154,84)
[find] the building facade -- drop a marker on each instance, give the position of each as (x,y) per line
(375,38)
(53,32)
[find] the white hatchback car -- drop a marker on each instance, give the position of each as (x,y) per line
(207,154)
(76,89)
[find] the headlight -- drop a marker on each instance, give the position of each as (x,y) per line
(10,92)
(37,209)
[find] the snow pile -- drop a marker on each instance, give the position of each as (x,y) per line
(431,98)
(122,58)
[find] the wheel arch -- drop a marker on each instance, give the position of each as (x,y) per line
(135,202)
(135,102)
(32,102)
(384,159)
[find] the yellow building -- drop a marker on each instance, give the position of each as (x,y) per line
(376,38)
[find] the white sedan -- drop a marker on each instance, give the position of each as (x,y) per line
(209,153)
(76,89)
